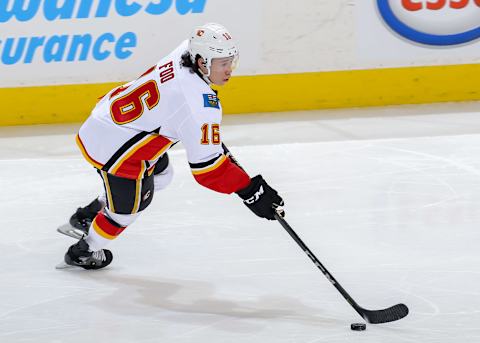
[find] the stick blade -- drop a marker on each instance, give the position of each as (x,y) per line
(390,314)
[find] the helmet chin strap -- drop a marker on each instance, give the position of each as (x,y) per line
(206,76)
(206,79)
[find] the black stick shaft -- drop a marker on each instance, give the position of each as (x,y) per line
(381,316)
(307,251)
(320,266)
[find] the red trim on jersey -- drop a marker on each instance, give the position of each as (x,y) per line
(104,227)
(226,178)
(85,154)
(132,165)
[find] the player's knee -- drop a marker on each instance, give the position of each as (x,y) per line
(161,164)
(162,179)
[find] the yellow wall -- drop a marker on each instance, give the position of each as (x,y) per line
(267,93)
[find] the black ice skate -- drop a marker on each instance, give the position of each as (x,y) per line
(81,220)
(78,255)
(84,216)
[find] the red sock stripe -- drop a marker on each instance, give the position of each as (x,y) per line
(104,227)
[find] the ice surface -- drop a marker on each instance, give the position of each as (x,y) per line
(388,199)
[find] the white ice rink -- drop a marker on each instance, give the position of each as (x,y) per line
(388,199)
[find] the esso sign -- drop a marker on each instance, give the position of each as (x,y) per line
(433,22)
(416,5)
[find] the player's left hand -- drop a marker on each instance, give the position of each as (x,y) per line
(262,199)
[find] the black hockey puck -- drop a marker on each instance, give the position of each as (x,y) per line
(358,326)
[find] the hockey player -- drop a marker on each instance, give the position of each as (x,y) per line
(128,133)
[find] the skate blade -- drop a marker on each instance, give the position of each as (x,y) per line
(70,231)
(63,265)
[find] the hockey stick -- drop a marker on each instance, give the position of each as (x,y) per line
(390,314)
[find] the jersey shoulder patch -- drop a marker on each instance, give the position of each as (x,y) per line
(211,100)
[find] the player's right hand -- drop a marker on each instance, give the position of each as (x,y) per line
(260,198)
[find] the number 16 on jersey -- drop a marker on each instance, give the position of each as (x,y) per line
(215,134)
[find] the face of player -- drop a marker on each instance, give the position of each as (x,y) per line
(220,70)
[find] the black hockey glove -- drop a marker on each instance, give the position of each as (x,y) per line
(261,198)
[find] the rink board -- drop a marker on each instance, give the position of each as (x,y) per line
(266,93)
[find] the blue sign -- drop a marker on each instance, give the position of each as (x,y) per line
(81,46)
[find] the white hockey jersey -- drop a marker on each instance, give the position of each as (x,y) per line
(134,124)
